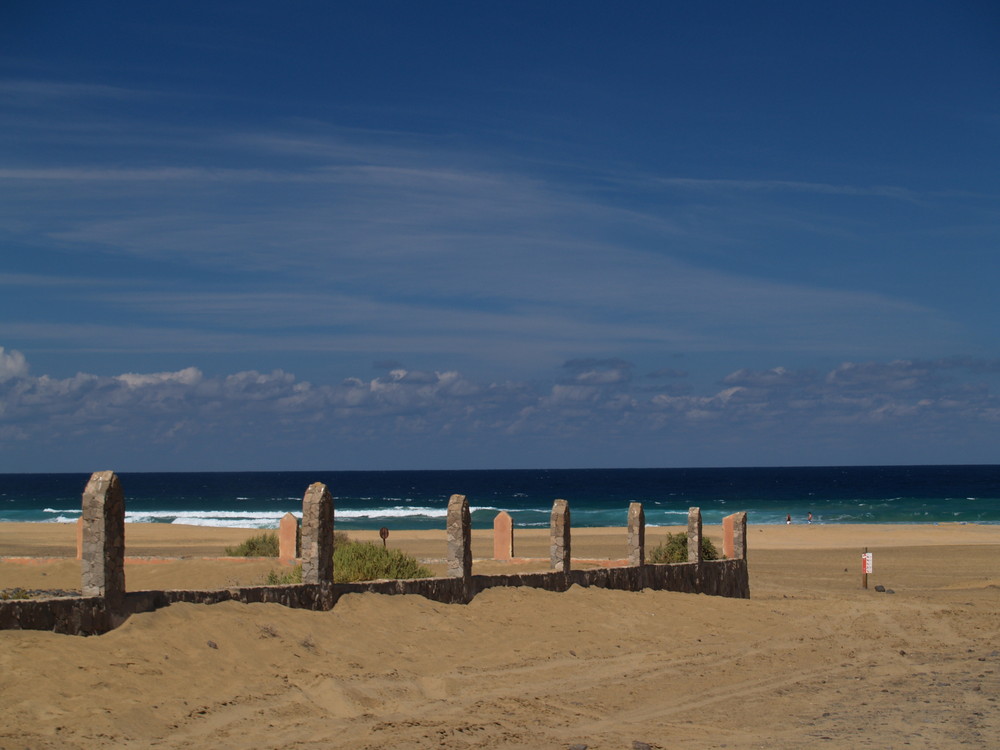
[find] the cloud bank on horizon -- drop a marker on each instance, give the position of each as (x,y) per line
(408,419)
(392,236)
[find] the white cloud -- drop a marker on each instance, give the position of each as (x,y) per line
(12,365)
(272,413)
(187,376)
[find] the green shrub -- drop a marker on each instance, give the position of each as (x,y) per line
(367,561)
(17,593)
(260,545)
(358,561)
(674,549)
(274,578)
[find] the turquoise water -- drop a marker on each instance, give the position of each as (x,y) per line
(597,497)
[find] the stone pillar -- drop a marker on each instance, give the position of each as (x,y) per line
(559,537)
(102,563)
(694,535)
(288,538)
(728,543)
(459,529)
(503,536)
(636,534)
(317,535)
(740,535)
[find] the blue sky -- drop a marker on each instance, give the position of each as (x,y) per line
(484,235)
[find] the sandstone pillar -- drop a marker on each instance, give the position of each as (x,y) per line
(459,537)
(288,538)
(728,543)
(503,536)
(694,535)
(102,564)
(559,537)
(636,534)
(317,535)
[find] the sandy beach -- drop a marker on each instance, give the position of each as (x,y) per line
(811,660)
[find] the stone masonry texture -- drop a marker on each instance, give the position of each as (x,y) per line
(459,529)
(102,564)
(317,535)
(694,535)
(559,537)
(636,534)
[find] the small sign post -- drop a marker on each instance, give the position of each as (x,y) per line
(384,533)
(866,567)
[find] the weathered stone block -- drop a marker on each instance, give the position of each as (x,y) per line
(740,535)
(503,536)
(102,562)
(459,528)
(317,535)
(559,537)
(636,534)
(694,535)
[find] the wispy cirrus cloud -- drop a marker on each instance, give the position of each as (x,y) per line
(47,90)
(791,186)
(297,236)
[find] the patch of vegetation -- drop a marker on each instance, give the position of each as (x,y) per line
(674,549)
(358,561)
(17,593)
(287,578)
(260,545)
(367,561)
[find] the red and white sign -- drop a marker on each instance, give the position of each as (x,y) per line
(866,562)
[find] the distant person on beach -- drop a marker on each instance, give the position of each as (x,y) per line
(809,517)
(788,518)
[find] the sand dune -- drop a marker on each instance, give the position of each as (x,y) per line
(812,660)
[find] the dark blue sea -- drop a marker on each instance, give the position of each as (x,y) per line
(597,497)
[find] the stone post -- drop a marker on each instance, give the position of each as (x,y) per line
(288,538)
(459,537)
(740,535)
(694,535)
(559,537)
(79,538)
(728,543)
(503,536)
(317,535)
(636,535)
(102,564)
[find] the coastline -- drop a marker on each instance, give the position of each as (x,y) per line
(19,539)
(811,658)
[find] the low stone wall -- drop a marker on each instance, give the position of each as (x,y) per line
(91,615)
(108,604)
(78,615)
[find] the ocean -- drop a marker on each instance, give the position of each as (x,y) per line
(597,497)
